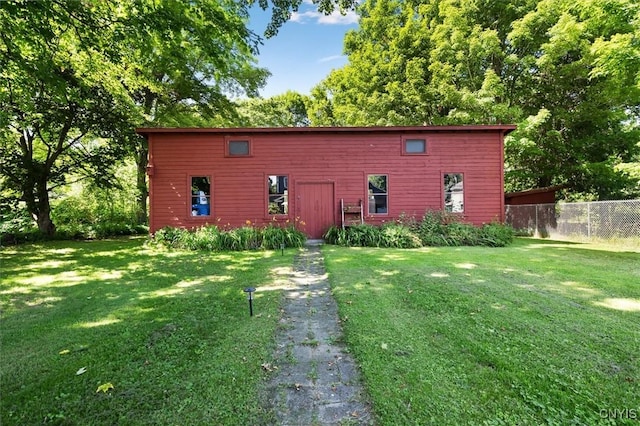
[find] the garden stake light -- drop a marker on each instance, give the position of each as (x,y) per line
(250,290)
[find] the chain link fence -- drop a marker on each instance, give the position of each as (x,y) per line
(602,220)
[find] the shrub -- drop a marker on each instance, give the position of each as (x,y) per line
(431,229)
(244,238)
(363,235)
(211,238)
(460,234)
(169,236)
(273,236)
(435,229)
(335,236)
(15,219)
(496,235)
(398,235)
(205,238)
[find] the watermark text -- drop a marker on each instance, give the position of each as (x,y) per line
(620,413)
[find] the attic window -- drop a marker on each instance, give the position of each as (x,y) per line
(414,146)
(238,148)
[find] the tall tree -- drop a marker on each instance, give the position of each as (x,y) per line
(577,118)
(189,77)
(555,67)
(77,77)
(190,56)
(60,98)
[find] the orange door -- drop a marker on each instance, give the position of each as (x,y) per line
(315,204)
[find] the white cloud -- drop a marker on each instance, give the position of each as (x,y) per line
(336,18)
(331,58)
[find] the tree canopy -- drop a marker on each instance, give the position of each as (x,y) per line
(568,72)
(286,110)
(77,77)
(60,98)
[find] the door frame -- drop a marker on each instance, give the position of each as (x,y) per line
(298,194)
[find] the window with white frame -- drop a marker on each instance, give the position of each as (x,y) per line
(454,192)
(200,196)
(278,187)
(378,195)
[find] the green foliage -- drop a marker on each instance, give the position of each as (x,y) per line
(395,235)
(170,236)
(243,238)
(64,106)
(281,10)
(432,228)
(273,236)
(435,229)
(442,229)
(81,211)
(496,235)
(77,79)
(285,110)
(15,219)
(84,210)
(362,235)
(567,72)
(211,238)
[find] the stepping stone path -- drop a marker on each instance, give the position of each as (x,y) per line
(317,381)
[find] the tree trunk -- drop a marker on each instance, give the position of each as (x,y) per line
(142,151)
(142,160)
(45,224)
(36,195)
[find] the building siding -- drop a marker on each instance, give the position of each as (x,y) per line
(239,189)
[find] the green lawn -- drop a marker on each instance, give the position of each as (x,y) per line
(170,332)
(541,332)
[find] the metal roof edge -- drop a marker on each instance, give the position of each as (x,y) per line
(536,190)
(505,128)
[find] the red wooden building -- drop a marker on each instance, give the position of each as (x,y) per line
(323,175)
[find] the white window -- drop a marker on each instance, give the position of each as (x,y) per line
(200,196)
(378,195)
(278,187)
(453,193)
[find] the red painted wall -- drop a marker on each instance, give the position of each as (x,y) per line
(342,158)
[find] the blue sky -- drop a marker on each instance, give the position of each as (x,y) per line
(305,50)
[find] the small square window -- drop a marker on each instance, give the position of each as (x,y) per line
(415,146)
(239,148)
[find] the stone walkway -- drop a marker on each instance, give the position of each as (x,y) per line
(317,382)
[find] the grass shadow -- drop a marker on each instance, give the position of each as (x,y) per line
(533,333)
(169,330)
